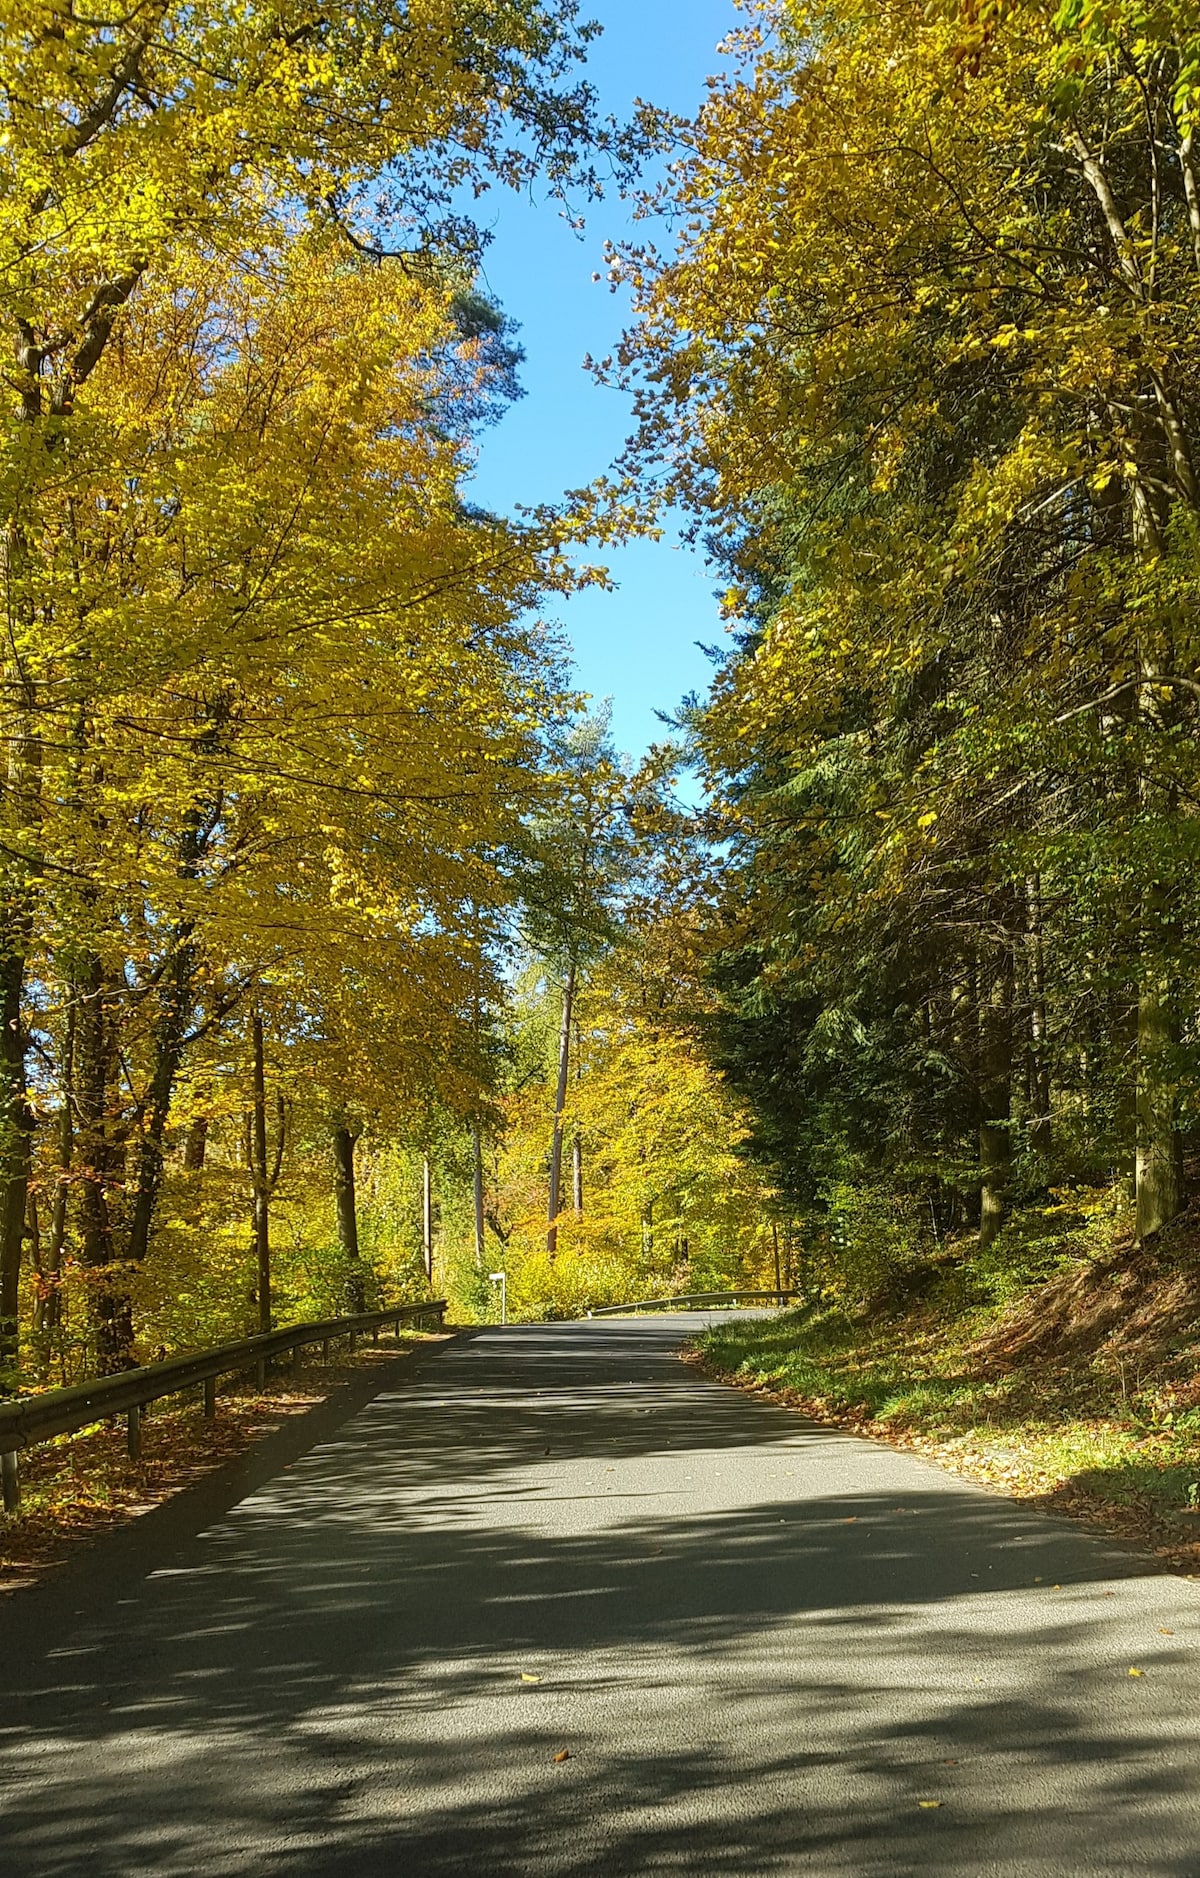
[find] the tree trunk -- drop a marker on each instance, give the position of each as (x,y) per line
(169,1034)
(1191,190)
(48,1316)
(100,1159)
(577,1175)
(261,1178)
(427,1217)
(95,1061)
(1041,1126)
(1159,1163)
(560,1104)
(995,1102)
(196,1144)
(480,1217)
(23,814)
(347,1216)
(964,1031)
(14,1154)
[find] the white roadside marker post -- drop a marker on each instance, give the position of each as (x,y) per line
(501,1279)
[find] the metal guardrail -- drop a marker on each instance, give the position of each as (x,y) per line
(30,1419)
(701,1299)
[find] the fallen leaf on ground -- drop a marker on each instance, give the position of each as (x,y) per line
(564,1756)
(1137,1672)
(526,1677)
(1165,1633)
(929,1805)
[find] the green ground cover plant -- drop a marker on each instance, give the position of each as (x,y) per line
(1082,1393)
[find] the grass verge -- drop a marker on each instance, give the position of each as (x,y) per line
(1083,1397)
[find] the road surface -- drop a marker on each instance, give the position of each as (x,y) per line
(763,1646)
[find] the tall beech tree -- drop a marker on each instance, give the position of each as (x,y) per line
(134,144)
(308,720)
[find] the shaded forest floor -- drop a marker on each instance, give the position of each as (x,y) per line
(1082,1395)
(80,1486)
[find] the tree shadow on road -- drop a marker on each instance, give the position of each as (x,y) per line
(329,1685)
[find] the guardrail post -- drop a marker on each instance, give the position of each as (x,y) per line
(375,1333)
(133,1432)
(210,1397)
(324,1349)
(260,1373)
(353,1343)
(295,1357)
(12,1480)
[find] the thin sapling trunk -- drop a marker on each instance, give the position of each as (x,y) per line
(560,1105)
(261,1178)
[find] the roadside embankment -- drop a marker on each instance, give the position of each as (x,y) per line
(1082,1395)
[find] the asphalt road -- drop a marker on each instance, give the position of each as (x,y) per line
(765,1647)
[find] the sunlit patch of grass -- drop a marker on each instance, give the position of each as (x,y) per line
(1073,1433)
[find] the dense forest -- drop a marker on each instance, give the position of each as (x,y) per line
(344,956)
(923,363)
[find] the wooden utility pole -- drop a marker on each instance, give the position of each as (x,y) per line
(427,1216)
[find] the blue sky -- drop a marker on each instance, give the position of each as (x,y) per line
(636,644)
